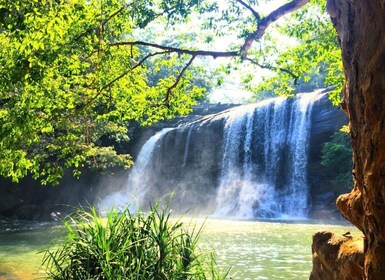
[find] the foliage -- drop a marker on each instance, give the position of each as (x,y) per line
(164,65)
(64,86)
(73,73)
(129,246)
(311,60)
(336,158)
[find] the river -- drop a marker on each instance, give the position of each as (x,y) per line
(253,249)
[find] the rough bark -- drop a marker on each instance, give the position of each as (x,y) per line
(360,25)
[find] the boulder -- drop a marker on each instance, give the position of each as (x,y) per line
(337,257)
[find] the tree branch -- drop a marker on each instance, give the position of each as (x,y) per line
(263,24)
(269,67)
(254,12)
(168,94)
(278,13)
(131,69)
(213,54)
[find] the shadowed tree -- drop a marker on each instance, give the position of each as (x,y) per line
(360,26)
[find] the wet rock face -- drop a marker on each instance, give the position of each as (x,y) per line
(326,119)
(29,200)
(196,169)
(337,257)
(191,156)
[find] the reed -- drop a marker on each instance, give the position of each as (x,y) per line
(125,245)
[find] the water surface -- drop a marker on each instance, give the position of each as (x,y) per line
(253,249)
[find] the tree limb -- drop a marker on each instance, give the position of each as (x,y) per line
(269,67)
(168,94)
(264,23)
(254,12)
(213,54)
(278,13)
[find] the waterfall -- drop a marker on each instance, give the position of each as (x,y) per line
(246,162)
(272,183)
(139,180)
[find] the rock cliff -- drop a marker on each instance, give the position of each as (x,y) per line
(197,168)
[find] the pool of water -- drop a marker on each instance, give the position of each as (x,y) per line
(253,249)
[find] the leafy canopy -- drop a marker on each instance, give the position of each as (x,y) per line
(311,61)
(74,73)
(64,86)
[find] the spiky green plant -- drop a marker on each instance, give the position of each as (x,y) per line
(126,245)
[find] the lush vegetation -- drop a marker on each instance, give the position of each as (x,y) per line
(129,246)
(337,159)
(64,86)
(75,74)
(310,61)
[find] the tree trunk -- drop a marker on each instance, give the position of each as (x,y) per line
(360,25)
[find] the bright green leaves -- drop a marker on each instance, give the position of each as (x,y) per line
(64,90)
(311,60)
(334,152)
(173,11)
(72,77)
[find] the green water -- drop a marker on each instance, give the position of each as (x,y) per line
(253,250)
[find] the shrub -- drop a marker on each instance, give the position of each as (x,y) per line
(129,246)
(336,158)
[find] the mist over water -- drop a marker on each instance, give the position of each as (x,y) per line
(138,181)
(259,169)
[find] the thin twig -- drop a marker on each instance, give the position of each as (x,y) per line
(273,68)
(254,12)
(168,94)
(100,91)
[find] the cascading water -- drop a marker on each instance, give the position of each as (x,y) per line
(139,180)
(273,183)
(247,162)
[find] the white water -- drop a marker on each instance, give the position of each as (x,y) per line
(262,170)
(248,187)
(138,182)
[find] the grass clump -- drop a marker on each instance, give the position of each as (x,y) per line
(129,246)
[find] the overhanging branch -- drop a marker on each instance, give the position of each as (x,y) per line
(195,53)
(264,23)
(270,67)
(254,12)
(178,79)
(278,13)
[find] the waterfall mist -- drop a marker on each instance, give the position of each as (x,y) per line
(247,162)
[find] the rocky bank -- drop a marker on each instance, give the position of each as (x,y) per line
(337,257)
